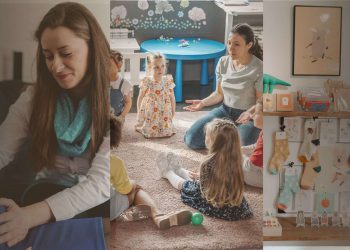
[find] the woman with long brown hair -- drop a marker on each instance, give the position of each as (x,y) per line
(239,84)
(66,116)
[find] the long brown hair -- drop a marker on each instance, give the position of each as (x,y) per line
(245,31)
(81,21)
(224,184)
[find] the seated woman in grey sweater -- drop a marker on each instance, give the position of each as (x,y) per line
(239,84)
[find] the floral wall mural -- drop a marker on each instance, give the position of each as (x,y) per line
(158,14)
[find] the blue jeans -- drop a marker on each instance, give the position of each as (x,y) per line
(195,135)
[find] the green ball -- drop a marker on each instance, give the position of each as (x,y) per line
(197,218)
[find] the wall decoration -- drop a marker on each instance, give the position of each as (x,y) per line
(293,128)
(184,3)
(344,130)
(324,202)
(328,132)
(196,14)
(317,40)
(142,4)
(163,6)
(159,15)
(118,13)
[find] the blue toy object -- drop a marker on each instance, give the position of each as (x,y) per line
(197,218)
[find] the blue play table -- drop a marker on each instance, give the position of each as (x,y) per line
(202,49)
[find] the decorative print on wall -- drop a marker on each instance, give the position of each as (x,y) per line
(317,40)
(118,14)
(160,15)
(328,132)
(335,174)
(324,202)
(293,128)
(344,130)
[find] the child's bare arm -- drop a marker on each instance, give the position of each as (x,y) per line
(139,99)
(128,103)
(173,104)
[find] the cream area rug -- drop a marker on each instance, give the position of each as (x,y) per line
(139,155)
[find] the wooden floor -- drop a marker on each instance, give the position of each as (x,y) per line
(291,233)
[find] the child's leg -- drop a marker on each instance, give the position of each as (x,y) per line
(175,180)
(143,198)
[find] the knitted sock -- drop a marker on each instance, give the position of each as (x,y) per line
(281,152)
(291,185)
(175,180)
(308,147)
(311,170)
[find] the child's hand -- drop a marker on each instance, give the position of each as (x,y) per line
(193,175)
(196,105)
(244,117)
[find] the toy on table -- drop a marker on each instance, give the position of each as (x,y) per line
(197,218)
(271,226)
(300,220)
(315,222)
(184,43)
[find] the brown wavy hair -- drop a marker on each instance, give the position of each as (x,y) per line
(223,182)
(81,21)
(246,31)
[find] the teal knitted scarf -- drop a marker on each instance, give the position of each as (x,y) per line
(72,128)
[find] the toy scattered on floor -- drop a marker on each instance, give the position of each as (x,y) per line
(300,220)
(197,218)
(271,226)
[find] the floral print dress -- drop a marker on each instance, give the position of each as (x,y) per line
(155,115)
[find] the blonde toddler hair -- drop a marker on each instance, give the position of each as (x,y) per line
(224,183)
(151,57)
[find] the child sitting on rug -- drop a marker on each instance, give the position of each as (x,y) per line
(125,193)
(219,191)
(156,100)
(253,154)
(121,89)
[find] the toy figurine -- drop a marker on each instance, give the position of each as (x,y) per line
(336,221)
(315,222)
(300,219)
(324,219)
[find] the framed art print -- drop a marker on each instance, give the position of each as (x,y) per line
(317,40)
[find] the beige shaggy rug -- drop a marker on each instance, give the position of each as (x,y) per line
(139,155)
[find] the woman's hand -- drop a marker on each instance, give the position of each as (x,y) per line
(244,117)
(196,105)
(14,223)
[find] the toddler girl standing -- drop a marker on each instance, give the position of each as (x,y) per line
(156,101)
(219,191)
(121,89)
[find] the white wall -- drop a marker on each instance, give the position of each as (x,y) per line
(18,22)
(278,41)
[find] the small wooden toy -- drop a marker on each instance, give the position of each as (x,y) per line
(315,222)
(324,219)
(300,220)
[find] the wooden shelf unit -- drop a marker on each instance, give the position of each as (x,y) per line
(292,233)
